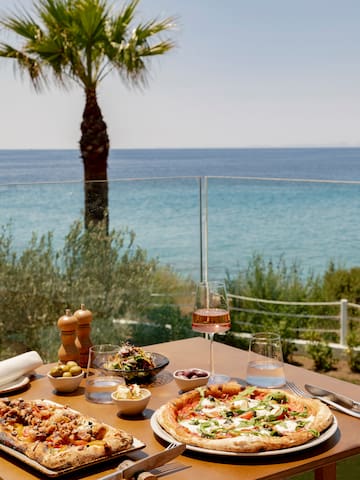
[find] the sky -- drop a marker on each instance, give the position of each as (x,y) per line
(245,73)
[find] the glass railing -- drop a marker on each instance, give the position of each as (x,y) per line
(185,229)
(307,222)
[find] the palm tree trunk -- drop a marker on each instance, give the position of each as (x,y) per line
(94,147)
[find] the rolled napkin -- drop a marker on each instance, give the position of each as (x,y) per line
(15,367)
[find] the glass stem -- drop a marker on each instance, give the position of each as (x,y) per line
(212,364)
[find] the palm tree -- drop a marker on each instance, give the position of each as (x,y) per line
(81,42)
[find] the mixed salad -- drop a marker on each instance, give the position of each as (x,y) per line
(131,358)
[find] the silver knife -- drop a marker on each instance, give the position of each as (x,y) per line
(147,463)
(341,402)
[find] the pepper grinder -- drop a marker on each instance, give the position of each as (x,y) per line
(68,350)
(83,341)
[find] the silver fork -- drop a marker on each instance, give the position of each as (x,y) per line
(297,390)
(302,393)
(169,468)
(172,445)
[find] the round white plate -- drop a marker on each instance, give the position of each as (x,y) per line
(312,443)
(14,385)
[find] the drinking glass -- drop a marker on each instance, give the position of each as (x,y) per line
(265,364)
(211,315)
(100,382)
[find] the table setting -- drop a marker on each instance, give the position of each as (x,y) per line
(126,388)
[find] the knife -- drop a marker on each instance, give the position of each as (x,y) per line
(147,463)
(341,402)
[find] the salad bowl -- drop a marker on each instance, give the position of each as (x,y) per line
(136,365)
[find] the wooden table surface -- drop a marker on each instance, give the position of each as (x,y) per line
(189,353)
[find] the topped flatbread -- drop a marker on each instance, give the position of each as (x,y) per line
(56,436)
(233,418)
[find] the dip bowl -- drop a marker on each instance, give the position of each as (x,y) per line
(132,406)
(190,378)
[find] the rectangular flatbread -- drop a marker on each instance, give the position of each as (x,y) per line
(56,436)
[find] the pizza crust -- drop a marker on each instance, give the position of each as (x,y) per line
(318,418)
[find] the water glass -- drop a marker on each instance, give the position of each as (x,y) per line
(265,363)
(100,381)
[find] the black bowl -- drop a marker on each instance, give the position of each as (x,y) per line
(141,376)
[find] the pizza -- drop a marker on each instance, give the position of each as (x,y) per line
(233,418)
(57,437)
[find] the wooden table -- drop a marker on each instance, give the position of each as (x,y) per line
(189,353)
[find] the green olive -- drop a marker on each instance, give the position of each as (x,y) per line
(66,374)
(75,370)
(71,363)
(56,372)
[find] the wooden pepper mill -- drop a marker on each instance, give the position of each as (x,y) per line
(83,341)
(68,326)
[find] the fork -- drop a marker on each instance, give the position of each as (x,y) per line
(297,390)
(169,468)
(302,393)
(172,445)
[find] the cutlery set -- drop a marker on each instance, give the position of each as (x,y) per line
(129,469)
(338,401)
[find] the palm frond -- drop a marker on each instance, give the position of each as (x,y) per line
(25,63)
(23,26)
(82,40)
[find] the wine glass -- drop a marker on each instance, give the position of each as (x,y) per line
(211,315)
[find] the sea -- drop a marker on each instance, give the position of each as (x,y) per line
(196,209)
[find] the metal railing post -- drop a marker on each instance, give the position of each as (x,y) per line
(201,229)
(343,321)
(204,229)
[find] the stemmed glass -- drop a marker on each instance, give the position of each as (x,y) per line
(211,315)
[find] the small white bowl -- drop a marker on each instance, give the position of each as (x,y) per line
(66,384)
(185,384)
(132,406)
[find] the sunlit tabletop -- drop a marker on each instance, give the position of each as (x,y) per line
(189,353)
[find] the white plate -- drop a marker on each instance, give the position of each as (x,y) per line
(14,385)
(312,443)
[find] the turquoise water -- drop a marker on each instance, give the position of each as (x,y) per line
(311,223)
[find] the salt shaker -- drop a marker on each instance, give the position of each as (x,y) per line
(83,341)
(68,326)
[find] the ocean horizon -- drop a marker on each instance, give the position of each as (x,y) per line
(331,163)
(310,219)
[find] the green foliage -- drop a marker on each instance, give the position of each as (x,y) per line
(353,351)
(321,353)
(103,271)
(340,283)
(280,283)
(275,282)
(133,298)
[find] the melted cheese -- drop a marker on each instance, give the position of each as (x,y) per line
(215,418)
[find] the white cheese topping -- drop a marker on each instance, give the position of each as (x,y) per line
(286,426)
(241,404)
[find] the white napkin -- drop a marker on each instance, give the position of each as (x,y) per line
(13,368)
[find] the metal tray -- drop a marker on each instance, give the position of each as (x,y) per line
(57,473)
(137,445)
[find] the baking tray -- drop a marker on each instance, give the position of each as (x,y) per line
(137,445)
